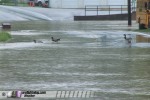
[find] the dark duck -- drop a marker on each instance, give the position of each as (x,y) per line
(55,40)
(36,41)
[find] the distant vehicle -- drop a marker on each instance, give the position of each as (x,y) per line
(41,3)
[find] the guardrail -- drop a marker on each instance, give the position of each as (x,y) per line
(109,8)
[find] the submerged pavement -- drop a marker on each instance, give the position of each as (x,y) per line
(87,58)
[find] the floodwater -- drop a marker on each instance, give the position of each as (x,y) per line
(90,56)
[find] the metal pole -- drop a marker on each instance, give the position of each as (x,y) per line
(129,13)
(85,10)
(121,9)
(97,10)
(109,9)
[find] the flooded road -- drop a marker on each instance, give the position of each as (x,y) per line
(90,56)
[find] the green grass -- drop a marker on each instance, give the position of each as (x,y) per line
(13,4)
(23,4)
(4,36)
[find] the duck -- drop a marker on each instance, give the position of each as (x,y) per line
(55,40)
(36,41)
(127,38)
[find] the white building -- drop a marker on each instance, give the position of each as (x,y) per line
(82,3)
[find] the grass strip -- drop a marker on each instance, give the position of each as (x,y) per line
(4,36)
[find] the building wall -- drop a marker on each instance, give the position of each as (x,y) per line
(66,3)
(117,2)
(82,3)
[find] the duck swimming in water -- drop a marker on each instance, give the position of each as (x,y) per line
(128,39)
(55,40)
(36,41)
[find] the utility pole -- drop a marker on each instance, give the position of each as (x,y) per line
(129,13)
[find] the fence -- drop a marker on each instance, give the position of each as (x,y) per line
(109,8)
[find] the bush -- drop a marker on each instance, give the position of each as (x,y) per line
(4,36)
(6,1)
